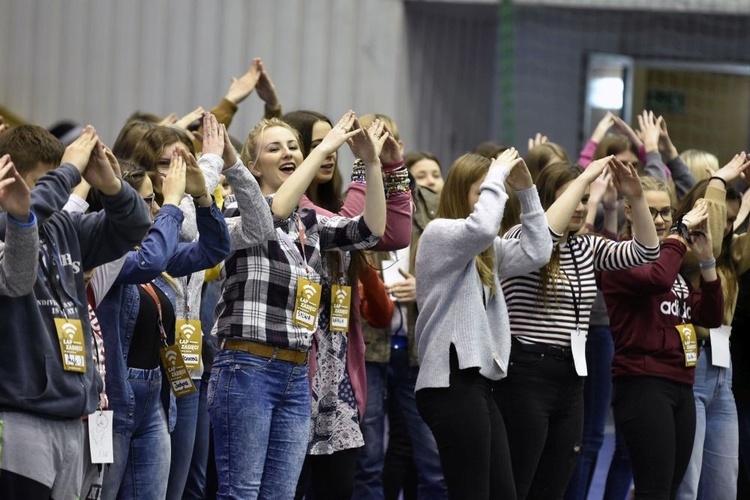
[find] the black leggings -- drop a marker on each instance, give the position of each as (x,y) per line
(329,477)
(657,419)
(470,435)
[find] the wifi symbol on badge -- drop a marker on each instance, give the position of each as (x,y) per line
(187,330)
(308,291)
(340,296)
(171,357)
(69,329)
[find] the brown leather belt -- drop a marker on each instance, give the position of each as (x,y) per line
(265,350)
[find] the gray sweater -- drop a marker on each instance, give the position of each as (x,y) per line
(450,292)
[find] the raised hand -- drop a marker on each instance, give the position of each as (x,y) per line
(195,183)
(243,86)
(650,127)
(340,132)
(697,215)
(391,152)
(603,127)
(266,89)
(625,179)
(537,140)
(229,154)
(113,162)
(100,173)
(595,169)
(737,167)
(519,177)
(213,135)
(189,118)
(627,131)
(173,185)
(666,147)
(169,120)
(701,243)
(367,146)
(601,186)
(79,151)
(15,196)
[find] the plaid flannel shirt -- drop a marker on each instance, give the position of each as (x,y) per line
(260,290)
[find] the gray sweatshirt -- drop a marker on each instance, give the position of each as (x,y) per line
(19,257)
(450,294)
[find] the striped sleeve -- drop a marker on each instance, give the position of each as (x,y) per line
(615,255)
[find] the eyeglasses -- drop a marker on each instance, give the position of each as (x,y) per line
(149,199)
(666,213)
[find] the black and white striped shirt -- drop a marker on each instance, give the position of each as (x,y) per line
(531,321)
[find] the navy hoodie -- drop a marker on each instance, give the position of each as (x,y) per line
(32,378)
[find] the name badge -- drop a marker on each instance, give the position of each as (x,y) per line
(70,334)
(100,437)
(189,337)
(177,373)
(341,300)
(720,355)
(689,343)
(578,346)
(306,304)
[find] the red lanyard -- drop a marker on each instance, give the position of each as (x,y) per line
(150,290)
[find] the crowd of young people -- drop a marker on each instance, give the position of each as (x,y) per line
(186,320)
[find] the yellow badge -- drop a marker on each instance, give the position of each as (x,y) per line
(190,339)
(306,304)
(689,343)
(341,300)
(70,333)
(177,373)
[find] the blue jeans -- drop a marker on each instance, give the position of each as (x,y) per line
(183,440)
(195,487)
(430,481)
(597,399)
(714,463)
(260,412)
(369,476)
(142,450)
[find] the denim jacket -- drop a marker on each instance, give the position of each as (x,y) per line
(118,311)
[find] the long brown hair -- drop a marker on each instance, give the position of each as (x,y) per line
(327,195)
(454,204)
(550,180)
(725,265)
(543,155)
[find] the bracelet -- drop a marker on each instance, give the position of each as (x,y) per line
(358,172)
(679,228)
(718,179)
(709,264)
(393,166)
(396,181)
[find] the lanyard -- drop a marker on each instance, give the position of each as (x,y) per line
(301,257)
(149,288)
(342,275)
(576,307)
(51,272)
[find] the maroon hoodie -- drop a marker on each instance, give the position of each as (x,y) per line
(644,308)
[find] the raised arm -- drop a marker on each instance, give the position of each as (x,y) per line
(559,213)
(110,233)
(533,248)
(20,250)
(289,194)
(254,225)
(626,180)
